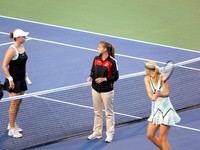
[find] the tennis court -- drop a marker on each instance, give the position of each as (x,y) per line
(58,104)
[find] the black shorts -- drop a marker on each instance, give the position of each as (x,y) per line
(20,86)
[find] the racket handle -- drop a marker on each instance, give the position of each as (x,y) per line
(28,80)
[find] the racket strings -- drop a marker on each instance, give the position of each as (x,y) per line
(167,71)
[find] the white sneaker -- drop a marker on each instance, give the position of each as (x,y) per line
(94,136)
(16,127)
(109,139)
(14,133)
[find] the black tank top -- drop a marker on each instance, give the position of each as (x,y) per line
(17,68)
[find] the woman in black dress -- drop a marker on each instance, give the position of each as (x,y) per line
(14,67)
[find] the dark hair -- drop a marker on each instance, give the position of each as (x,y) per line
(12,36)
(110,48)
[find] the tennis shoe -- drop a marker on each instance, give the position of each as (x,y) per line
(94,136)
(14,133)
(109,139)
(16,127)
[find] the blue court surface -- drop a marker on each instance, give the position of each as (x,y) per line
(58,105)
(133,137)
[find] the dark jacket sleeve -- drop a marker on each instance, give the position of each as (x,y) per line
(115,73)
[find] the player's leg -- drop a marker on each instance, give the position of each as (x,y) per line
(151,134)
(19,103)
(13,110)
(163,136)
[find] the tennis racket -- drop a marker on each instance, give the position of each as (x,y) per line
(167,72)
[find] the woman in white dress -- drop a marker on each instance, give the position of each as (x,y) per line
(163,114)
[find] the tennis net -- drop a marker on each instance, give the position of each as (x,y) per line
(65,112)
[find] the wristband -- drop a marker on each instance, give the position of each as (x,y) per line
(10,78)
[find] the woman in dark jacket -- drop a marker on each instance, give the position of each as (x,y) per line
(103,74)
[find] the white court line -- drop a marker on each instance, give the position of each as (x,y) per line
(84,48)
(8,43)
(51,25)
(117,113)
(88,107)
(117,54)
(189,128)
(93,50)
(63,88)
(44,92)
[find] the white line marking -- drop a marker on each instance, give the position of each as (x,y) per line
(74,104)
(8,43)
(45,92)
(117,54)
(150,43)
(88,107)
(189,128)
(84,48)
(93,50)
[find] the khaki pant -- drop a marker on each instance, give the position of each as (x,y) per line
(106,99)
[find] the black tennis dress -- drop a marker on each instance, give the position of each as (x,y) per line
(17,69)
